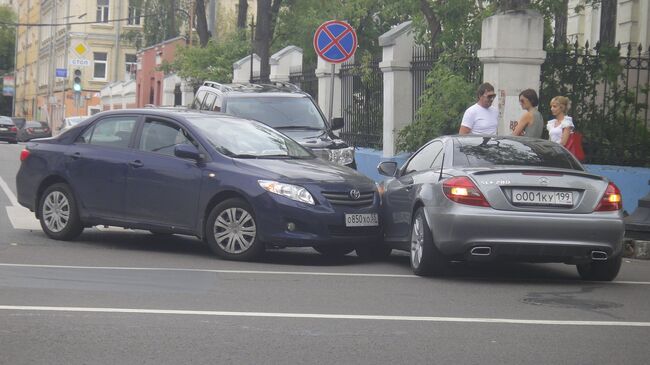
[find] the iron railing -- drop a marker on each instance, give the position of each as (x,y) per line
(609,95)
(305,78)
(362,100)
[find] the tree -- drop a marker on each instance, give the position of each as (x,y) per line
(7,39)
(267,12)
(242,14)
(608,23)
(201,23)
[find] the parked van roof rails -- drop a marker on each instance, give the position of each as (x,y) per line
(217,85)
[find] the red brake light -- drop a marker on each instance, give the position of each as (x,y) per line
(463,190)
(24,154)
(13,129)
(611,200)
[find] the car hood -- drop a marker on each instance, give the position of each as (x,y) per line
(304,171)
(314,138)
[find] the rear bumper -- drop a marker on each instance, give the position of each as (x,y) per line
(538,237)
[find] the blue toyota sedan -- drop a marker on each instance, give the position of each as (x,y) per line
(237,184)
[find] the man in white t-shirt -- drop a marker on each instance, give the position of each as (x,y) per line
(481,118)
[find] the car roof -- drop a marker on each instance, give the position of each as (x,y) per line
(169,112)
(274,89)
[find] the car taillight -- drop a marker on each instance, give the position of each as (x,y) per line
(30,130)
(13,129)
(462,190)
(611,200)
(24,154)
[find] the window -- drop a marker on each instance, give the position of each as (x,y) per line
(198,100)
(161,137)
(112,132)
(209,99)
(102,11)
(423,159)
(131,62)
(99,71)
(134,14)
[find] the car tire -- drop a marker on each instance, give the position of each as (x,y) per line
(58,213)
(373,252)
(600,270)
(426,259)
(231,231)
(334,250)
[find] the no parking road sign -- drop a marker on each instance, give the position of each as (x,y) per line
(335,41)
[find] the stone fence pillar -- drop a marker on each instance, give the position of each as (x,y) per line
(241,70)
(323,72)
(512,54)
(397,55)
(283,61)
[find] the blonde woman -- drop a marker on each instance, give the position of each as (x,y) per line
(531,122)
(560,127)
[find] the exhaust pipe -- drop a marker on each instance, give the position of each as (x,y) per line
(481,251)
(598,255)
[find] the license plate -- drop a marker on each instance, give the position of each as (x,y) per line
(539,197)
(4,129)
(361,220)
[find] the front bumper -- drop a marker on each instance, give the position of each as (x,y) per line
(525,236)
(315,225)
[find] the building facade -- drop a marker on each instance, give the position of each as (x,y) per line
(26,68)
(149,77)
(632,23)
(84,42)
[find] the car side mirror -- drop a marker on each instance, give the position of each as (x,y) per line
(387,168)
(185,150)
(337,123)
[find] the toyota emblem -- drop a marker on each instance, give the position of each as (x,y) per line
(355,194)
(543,180)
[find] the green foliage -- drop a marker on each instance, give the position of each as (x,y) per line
(7,38)
(443,105)
(606,107)
(214,62)
(160,24)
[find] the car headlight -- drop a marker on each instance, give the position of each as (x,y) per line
(342,156)
(293,192)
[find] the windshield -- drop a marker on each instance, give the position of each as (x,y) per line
(491,151)
(246,139)
(278,112)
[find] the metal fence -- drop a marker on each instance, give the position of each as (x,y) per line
(609,95)
(362,101)
(423,60)
(305,78)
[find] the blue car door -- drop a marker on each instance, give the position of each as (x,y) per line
(162,188)
(96,164)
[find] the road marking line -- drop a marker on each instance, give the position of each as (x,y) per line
(311,273)
(326,316)
(253,272)
(9,193)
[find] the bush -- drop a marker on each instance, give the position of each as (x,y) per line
(443,104)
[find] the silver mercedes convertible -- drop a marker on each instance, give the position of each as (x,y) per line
(484,198)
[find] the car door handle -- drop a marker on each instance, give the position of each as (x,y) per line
(136,163)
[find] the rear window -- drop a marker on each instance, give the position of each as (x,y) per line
(496,151)
(33,125)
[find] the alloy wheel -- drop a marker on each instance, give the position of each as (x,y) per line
(417,240)
(56,211)
(234,230)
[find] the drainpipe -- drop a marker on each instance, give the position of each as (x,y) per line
(118,28)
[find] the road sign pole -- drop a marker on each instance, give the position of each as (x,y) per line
(331,106)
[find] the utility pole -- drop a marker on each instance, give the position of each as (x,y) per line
(52,77)
(65,54)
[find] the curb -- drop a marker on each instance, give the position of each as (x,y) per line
(636,249)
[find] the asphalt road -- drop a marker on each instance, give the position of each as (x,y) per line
(128,297)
